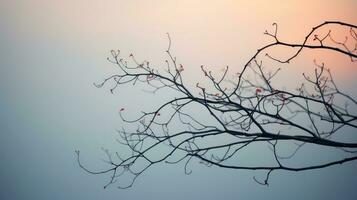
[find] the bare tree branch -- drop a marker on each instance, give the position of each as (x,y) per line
(249,113)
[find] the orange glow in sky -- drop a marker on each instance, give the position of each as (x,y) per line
(215,33)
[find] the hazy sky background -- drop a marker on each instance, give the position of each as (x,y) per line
(52,51)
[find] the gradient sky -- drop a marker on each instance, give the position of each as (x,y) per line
(52,51)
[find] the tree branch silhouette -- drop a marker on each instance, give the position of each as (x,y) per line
(247,109)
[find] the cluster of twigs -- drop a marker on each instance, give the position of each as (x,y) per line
(247,111)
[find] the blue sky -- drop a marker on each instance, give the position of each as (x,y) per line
(52,51)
